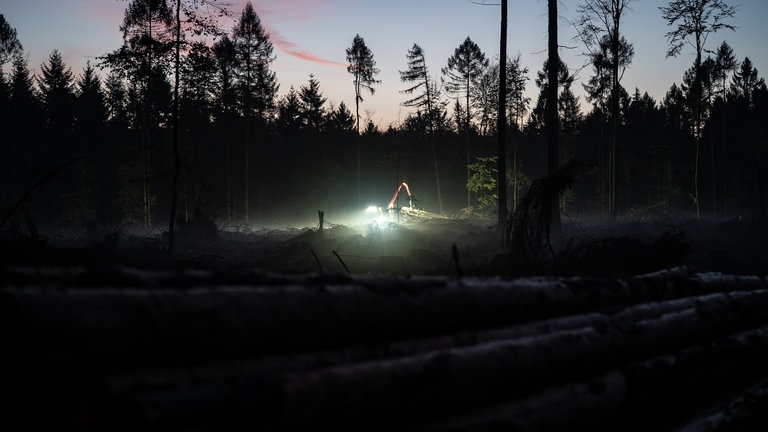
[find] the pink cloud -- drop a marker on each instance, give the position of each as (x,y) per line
(291,49)
(303,11)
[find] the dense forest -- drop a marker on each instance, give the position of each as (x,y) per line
(197,106)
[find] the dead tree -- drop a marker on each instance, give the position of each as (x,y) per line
(529,229)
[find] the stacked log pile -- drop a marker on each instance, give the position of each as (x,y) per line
(127,349)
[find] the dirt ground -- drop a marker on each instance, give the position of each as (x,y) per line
(435,247)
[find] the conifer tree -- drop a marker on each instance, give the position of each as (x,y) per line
(746,83)
(363,68)
(312,105)
(255,81)
(464,67)
(57,95)
(427,102)
(9,42)
(226,104)
(91,110)
(143,59)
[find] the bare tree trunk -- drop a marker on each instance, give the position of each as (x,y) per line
(357,123)
(501,162)
(148,159)
(714,174)
(147,210)
(229,181)
(515,184)
(612,167)
(174,184)
(760,192)
(614,109)
(437,174)
(697,127)
(553,121)
(696,171)
(247,164)
(469,199)
(725,162)
(605,196)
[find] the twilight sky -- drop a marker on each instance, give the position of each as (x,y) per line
(311,36)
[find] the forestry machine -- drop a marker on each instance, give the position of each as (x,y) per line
(410,211)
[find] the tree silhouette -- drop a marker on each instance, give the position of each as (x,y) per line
(116,100)
(517,107)
(116,121)
(427,102)
(95,183)
(538,119)
(552,118)
(91,110)
(312,105)
(225,101)
(19,126)
(599,24)
(147,41)
(256,82)
(427,97)
(341,120)
(176,83)
(485,99)
(501,123)
(695,19)
(199,24)
(289,112)
(725,63)
(57,95)
(362,66)
(9,42)
(465,66)
(746,83)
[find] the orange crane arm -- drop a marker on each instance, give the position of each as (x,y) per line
(394,197)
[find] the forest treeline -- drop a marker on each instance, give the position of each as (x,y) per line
(95,146)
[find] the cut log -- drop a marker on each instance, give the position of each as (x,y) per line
(152,322)
(648,395)
(348,388)
(174,350)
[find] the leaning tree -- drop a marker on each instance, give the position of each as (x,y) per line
(425,98)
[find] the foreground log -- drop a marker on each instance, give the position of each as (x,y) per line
(419,382)
(153,321)
(647,395)
(433,383)
(200,350)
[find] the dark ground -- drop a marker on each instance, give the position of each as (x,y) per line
(284,344)
(417,248)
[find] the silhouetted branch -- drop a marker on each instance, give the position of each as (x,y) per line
(317,260)
(341,261)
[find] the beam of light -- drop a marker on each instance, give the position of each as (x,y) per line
(375,218)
